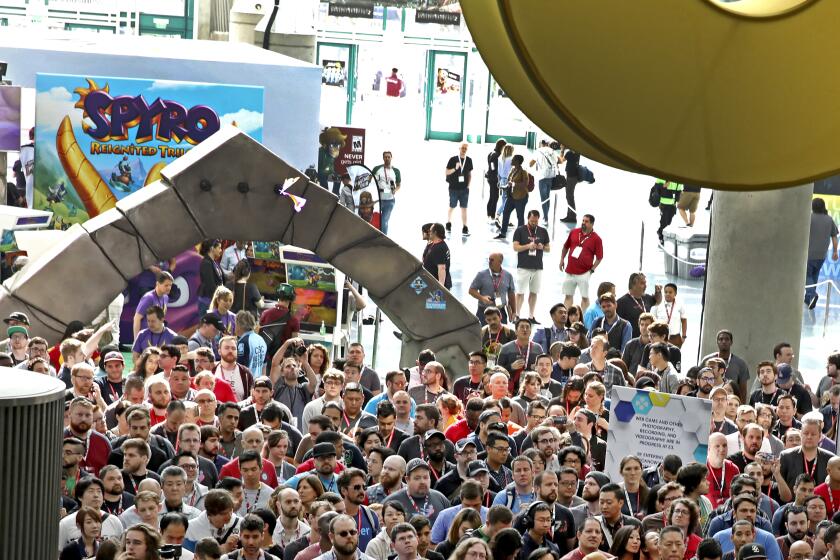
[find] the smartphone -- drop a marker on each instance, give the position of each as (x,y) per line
(765,457)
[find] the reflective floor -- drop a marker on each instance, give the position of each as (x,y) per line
(617,199)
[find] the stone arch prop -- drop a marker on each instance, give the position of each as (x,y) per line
(226,188)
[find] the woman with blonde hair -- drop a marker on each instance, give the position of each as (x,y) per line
(474,549)
(504,173)
(220,304)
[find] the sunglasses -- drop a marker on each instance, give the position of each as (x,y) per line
(347,533)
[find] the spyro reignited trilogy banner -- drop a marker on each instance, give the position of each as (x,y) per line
(99,139)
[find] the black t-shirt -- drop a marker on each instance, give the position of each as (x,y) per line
(572,163)
(803,399)
(455,180)
(246,296)
(691,188)
(629,309)
(525,235)
(437,254)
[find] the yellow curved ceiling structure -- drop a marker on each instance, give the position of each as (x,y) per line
(683,89)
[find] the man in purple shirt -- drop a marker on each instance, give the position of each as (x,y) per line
(156,334)
(159,296)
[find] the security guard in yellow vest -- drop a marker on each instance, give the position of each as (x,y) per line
(669,194)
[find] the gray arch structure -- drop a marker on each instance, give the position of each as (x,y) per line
(225,188)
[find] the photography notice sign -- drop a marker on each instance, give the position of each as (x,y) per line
(652,425)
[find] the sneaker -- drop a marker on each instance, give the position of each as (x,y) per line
(569,220)
(465,231)
(500,236)
(497,223)
(490,220)
(533,321)
(813,303)
(448,226)
(545,224)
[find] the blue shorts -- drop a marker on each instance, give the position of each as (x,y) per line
(459,196)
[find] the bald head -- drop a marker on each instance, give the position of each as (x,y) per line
(495,261)
(801,549)
(395,462)
(149,485)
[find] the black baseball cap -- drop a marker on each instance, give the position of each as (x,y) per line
(17,316)
(213,319)
(476,467)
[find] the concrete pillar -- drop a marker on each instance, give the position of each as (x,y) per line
(755,277)
(203,8)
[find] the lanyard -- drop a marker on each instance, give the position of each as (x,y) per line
(667,312)
(720,484)
(461,161)
(248,505)
(582,238)
(391,437)
(810,472)
(414,504)
(831,499)
(193,497)
(630,505)
(119,508)
(133,483)
(496,283)
(114,395)
(604,324)
(640,305)
(527,353)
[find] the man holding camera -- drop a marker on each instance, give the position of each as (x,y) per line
(388,180)
(286,374)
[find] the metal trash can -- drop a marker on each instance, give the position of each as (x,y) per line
(670,244)
(691,248)
(31,427)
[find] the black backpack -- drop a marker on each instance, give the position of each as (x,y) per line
(655,195)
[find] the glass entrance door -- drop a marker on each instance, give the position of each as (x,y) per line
(504,119)
(338,82)
(446,77)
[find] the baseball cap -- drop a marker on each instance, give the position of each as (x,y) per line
(752,551)
(433,433)
(717,390)
(463,443)
(113,357)
(487,414)
(263,383)
(785,373)
(323,450)
(415,464)
(497,427)
(213,319)
(477,467)
(17,316)
(17,329)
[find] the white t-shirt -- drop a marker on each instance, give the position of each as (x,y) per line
(27,160)
(670,313)
(546,163)
(68,531)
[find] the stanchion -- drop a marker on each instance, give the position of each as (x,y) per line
(642,248)
(554,217)
(827,307)
(376,319)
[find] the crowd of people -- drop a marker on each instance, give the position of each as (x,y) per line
(241,441)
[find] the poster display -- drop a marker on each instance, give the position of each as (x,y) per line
(361,194)
(333,72)
(339,148)
(99,139)
(10,118)
(447,92)
(652,425)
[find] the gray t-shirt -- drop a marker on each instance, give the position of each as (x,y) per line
(822,229)
(736,368)
(429,507)
(495,286)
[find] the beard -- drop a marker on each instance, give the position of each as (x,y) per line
(346,548)
(437,456)
(81,427)
(550,498)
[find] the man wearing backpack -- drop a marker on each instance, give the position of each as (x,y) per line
(545,169)
(669,194)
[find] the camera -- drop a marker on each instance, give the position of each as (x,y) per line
(298,349)
(170,551)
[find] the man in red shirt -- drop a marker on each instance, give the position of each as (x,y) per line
(97,447)
(721,470)
(830,491)
(393,84)
(586,251)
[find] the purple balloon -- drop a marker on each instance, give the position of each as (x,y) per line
(698,271)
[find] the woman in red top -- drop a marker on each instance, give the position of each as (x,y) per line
(685,514)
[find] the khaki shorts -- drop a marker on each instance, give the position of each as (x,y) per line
(579,281)
(689,201)
(528,280)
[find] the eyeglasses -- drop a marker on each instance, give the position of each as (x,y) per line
(347,533)
(537,416)
(681,512)
(502,449)
(707,378)
(189,467)
(357,487)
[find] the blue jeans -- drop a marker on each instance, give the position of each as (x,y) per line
(386,206)
(545,193)
(503,196)
(812,276)
(511,205)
